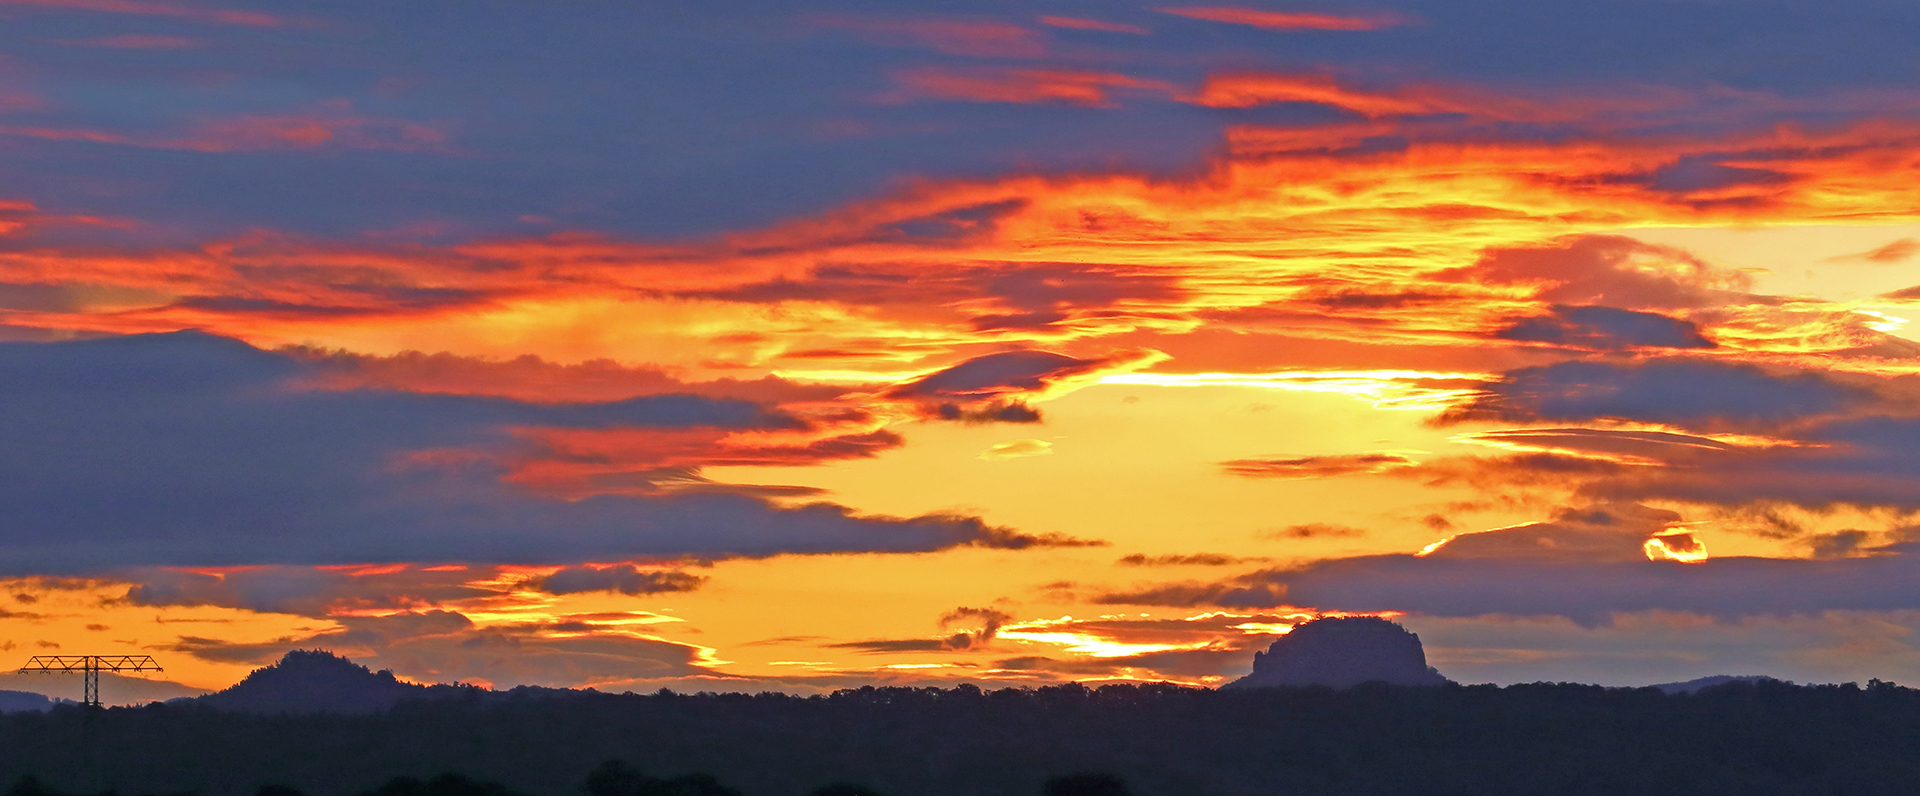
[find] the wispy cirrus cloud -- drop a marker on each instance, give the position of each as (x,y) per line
(1081,23)
(1281,20)
(977,37)
(1895,252)
(1016,449)
(1066,87)
(334,128)
(196,13)
(138,41)
(1180,560)
(1329,466)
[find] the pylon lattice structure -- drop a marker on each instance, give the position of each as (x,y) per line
(91,666)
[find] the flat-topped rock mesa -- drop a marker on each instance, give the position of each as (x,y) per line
(1343,652)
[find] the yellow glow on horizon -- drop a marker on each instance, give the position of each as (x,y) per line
(1884,323)
(1664,547)
(1265,628)
(1385,389)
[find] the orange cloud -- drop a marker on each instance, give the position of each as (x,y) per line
(1245,90)
(1359,252)
(1253,89)
(532,378)
(1276,20)
(634,462)
(1319,466)
(1898,251)
(1067,87)
(1249,90)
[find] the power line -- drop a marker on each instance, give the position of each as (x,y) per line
(91,666)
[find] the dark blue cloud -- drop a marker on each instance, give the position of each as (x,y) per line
(1685,392)
(1573,567)
(1605,329)
(187,449)
(1592,591)
(1871,462)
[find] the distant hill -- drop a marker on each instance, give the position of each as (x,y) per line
(22,701)
(115,689)
(315,681)
(1343,652)
(1691,686)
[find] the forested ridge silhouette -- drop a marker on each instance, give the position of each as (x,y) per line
(1749,739)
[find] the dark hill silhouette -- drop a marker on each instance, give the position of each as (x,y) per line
(18,701)
(1696,684)
(316,681)
(1342,652)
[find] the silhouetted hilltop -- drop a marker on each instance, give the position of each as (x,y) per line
(1343,652)
(1696,684)
(18,701)
(316,681)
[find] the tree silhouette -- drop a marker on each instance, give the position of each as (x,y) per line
(443,785)
(844,789)
(617,778)
(1087,785)
(30,785)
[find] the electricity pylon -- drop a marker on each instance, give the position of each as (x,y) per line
(91,666)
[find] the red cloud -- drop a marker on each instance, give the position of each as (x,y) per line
(1275,20)
(973,37)
(333,126)
(1252,89)
(138,41)
(1076,23)
(1067,87)
(20,101)
(1244,90)
(226,17)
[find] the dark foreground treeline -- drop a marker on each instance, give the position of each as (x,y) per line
(1558,740)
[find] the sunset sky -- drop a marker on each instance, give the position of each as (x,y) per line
(749,345)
